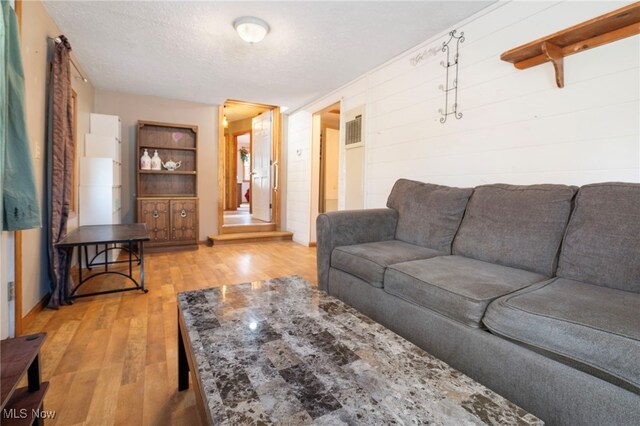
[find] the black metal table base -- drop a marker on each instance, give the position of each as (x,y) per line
(90,264)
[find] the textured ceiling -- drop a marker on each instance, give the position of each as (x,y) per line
(190,51)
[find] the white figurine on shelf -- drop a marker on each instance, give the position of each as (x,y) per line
(145,161)
(156,162)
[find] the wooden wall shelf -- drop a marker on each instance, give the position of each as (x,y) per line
(173,148)
(167,172)
(613,26)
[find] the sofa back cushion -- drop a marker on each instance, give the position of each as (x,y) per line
(602,243)
(428,215)
(517,226)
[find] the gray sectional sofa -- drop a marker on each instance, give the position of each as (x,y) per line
(534,291)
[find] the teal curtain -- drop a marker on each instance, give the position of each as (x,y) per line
(20,207)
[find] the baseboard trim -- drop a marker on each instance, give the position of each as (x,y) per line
(314,244)
(39,307)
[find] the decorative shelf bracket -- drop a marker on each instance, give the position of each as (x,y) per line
(554,53)
(610,27)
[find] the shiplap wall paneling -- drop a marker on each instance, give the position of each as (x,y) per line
(517,126)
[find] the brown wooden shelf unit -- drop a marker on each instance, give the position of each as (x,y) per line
(21,356)
(173,148)
(167,200)
(613,26)
(167,172)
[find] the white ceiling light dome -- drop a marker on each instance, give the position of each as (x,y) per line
(251,29)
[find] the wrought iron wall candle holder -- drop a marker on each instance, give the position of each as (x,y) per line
(451,84)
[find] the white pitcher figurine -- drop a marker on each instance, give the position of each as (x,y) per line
(156,161)
(145,161)
(171,165)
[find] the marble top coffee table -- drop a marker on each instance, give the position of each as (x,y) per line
(282,352)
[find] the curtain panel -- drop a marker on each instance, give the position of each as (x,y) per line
(20,206)
(60,157)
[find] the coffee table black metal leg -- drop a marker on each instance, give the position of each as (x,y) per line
(183,364)
(86,256)
(141,266)
(68,293)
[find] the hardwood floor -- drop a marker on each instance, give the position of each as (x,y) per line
(112,359)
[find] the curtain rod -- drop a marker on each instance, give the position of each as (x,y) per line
(57,40)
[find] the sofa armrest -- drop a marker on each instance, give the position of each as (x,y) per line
(350,227)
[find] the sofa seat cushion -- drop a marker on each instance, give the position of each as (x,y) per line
(597,328)
(370,260)
(454,286)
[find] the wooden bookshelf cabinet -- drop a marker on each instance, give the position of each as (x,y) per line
(167,200)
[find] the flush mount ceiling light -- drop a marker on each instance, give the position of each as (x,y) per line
(250,29)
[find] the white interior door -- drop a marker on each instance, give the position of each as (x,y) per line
(261,173)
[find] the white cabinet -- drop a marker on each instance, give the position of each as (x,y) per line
(102,146)
(106,125)
(100,172)
(96,171)
(100,191)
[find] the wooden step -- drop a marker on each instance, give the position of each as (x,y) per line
(251,237)
(253,227)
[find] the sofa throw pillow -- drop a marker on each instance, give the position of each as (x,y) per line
(602,243)
(428,215)
(517,226)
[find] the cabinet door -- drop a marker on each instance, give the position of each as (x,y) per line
(155,213)
(184,220)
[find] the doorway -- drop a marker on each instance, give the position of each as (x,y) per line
(249,149)
(325,164)
(329,151)
(239,212)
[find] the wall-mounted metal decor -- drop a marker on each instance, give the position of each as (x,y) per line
(452,80)
(416,59)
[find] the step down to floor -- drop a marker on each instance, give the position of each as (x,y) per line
(250,237)
(253,227)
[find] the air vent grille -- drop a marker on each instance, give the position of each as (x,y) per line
(354,131)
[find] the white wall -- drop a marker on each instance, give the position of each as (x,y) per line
(131,108)
(517,126)
(298,175)
(7,274)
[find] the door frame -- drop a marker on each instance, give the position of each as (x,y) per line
(316,163)
(276,156)
(17,248)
